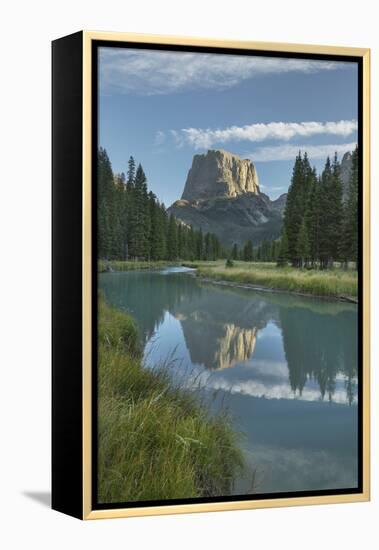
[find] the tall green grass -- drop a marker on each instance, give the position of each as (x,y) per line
(155,440)
(331,283)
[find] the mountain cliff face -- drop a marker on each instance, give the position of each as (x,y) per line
(220,174)
(222,196)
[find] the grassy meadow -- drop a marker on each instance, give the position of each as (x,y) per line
(155,440)
(328,283)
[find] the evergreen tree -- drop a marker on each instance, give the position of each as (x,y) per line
(129,207)
(303,245)
(235,253)
(336,220)
(192,244)
(180,237)
(120,217)
(297,200)
(326,213)
(139,217)
(157,230)
(131,173)
(331,213)
(216,247)
(349,244)
(208,248)
(248,252)
(183,246)
(309,174)
(283,257)
(172,239)
(106,202)
(273,254)
(318,227)
(294,209)
(199,245)
(164,222)
(266,251)
(312,219)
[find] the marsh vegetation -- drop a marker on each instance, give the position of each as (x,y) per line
(156,440)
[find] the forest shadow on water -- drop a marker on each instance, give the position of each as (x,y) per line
(284,367)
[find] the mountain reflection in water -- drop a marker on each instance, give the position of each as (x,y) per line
(285,367)
(221,327)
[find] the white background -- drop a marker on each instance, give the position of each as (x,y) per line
(27,29)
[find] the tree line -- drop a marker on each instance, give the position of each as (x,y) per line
(267,251)
(319,226)
(133,224)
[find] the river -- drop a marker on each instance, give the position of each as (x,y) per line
(283,366)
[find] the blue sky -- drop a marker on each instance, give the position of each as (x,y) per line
(164,107)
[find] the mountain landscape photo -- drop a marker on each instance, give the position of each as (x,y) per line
(228,255)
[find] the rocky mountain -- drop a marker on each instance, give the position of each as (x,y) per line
(222,196)
(220,174)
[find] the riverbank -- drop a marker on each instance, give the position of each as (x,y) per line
(117,265)
(336,283)
(155,440)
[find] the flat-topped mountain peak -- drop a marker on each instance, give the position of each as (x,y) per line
(218,173)
(222,196)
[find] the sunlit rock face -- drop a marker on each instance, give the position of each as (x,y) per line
(219,173)
(220,328)
(237,345)
(229,345)
(222,196)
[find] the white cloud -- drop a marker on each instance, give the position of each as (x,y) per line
(273,390)
(160,138)
(203,138)
(267,379)
(149,72)
(289,152)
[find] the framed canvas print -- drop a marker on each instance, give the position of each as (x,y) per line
(210,275)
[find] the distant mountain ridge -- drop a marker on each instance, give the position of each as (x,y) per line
(222,196)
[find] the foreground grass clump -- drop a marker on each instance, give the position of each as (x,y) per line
(130,265)
(156,441)
(332,283)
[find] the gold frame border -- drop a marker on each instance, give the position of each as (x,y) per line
(88,513)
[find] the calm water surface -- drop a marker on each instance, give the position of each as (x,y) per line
(284,367)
